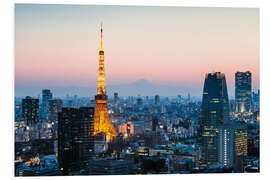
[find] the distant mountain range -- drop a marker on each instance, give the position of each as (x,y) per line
(145,88)
(140,87)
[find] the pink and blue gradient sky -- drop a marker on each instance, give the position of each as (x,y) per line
(57,45)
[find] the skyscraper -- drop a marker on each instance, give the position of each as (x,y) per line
(116,98)
(154,123)
(243,91)
(240,146)
(240,139)
(30,110)
(226,145)
(256,100)
(139,102)
(55,106)
(75,143)
(102,123)
(157,100)
(18,111)
(46,96)
(215,112)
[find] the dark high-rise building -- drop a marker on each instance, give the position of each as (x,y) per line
(75,140)
(116,98)
(18,111)
(154,123)
(157,100)
(139,102)
(46,96)
(256,100)
(55,106)
(243,91)
(30,110)
(215,112)
(147,99)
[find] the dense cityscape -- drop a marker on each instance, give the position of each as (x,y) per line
(151,130)
(119,135)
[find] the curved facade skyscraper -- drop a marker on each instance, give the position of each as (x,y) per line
(215,113)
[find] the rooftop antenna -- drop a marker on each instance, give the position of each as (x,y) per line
(101,46)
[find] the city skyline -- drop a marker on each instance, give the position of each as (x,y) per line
(168,52)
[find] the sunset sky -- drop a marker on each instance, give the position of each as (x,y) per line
(57,45)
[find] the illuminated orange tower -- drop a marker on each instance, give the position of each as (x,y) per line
(102,123)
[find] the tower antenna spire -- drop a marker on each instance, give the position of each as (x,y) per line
(101,30)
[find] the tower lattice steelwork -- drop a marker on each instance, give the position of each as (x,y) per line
(102,123)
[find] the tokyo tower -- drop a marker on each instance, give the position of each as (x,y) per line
(102,123)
